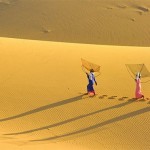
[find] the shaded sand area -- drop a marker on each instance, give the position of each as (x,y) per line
(42,104)
(107,22)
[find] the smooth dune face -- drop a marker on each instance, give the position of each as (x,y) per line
(42,85)
(115,22)
(43,106)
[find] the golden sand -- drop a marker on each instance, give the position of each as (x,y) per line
(107,22)
(43,106)
(42,85)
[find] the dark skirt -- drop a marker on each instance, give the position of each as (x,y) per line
(90,88)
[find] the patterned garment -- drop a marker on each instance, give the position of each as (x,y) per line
(91,79)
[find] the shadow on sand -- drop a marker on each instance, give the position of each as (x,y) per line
(74,119)
(96,126)
(42,108)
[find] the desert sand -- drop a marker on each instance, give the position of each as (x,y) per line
(42,84)
(107,22)
(43,105)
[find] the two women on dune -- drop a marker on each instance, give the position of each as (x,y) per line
(92,81)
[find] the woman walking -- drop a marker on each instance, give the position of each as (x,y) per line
(91,80)
(138,93)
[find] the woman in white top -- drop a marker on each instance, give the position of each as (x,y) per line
(91,79)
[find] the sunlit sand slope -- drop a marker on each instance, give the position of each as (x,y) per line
(42,100)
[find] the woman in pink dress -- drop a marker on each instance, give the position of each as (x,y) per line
(138,93)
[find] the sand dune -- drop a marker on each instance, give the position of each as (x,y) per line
(42,84)
(43,105)
(115,22)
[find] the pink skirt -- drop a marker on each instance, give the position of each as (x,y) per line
(138,93)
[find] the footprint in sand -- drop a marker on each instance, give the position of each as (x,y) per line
(122,6)
(103,96)
(109,8)
(112,97)
(46,31)
(132,99)
(132,19)
(125,97)
(141,10)
(144,9)
(122,98)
